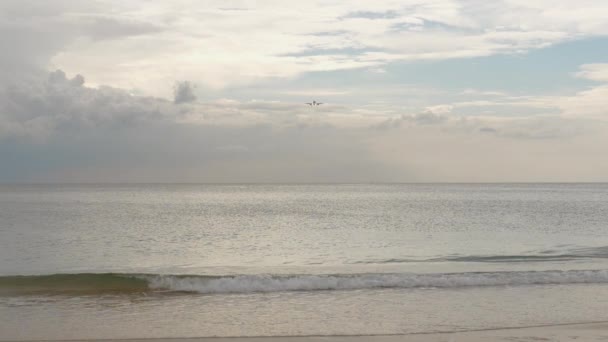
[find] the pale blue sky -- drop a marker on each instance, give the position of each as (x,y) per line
(546,71)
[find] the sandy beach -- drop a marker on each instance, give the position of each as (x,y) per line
(559,333)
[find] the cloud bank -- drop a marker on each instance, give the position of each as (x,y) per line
(58,129)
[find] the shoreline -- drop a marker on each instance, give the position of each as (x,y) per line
(584,331)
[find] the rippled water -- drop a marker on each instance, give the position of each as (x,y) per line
(298,259)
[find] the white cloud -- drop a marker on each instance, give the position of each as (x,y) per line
(595,72)
(591,103)
(587,104)
(149,45)
(479,92)
(439,109)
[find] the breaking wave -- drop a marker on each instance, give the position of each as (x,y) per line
(90,283)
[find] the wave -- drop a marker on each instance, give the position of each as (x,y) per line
(73,283)
(541,256)
(90,283)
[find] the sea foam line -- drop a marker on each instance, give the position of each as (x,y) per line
(278,283)
(95,283)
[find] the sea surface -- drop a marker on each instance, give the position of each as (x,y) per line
(186,260)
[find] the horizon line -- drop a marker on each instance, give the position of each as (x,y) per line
(298,183)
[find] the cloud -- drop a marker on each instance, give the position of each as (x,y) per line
(590,103)
(489,93)
(488,130)
(59,129)
(316,92)
(150,45)
(432,115)
(426,118)
(541,128)
(431,153)
(183,92)
(55,127)
(594,72)
(439,109)
(33,33)
(99,27)
(38,109)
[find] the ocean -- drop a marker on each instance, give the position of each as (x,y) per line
(192,260)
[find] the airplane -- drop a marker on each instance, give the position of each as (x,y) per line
(314,103)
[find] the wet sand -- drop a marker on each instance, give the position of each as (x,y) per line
(560,333)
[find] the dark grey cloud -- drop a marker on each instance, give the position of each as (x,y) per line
(488,130)
(58,129)
(426,118)
(183,92)
(329,33)
(37,108)
(33,32)
(24,9)
(372,15)
(27,48)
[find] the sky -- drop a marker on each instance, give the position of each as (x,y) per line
(216,91)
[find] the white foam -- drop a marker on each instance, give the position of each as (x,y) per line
(276,283)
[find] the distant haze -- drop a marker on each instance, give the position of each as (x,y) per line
(215,91)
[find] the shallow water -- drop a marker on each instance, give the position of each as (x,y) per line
(245,260)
